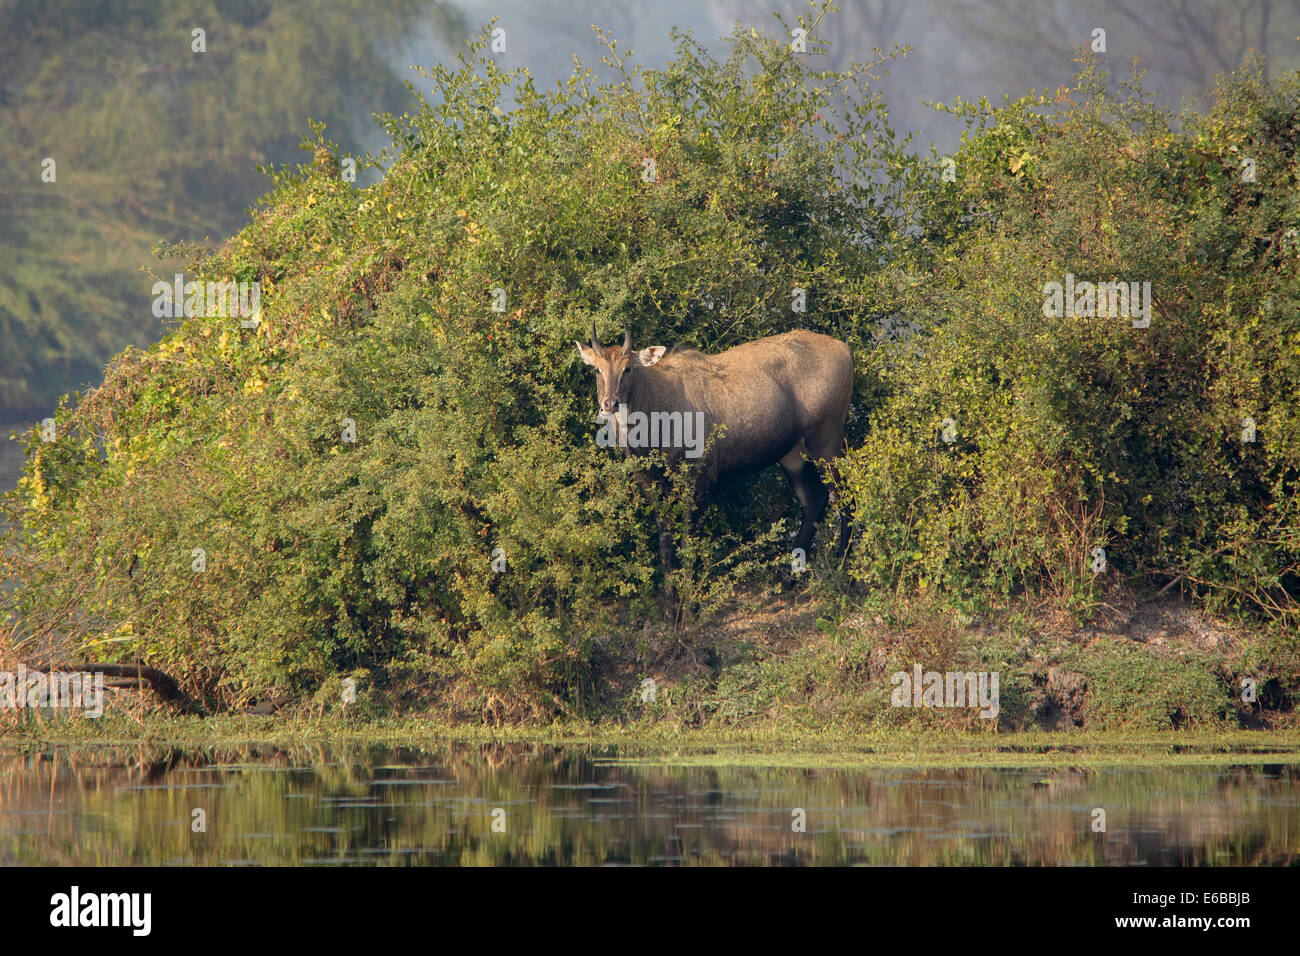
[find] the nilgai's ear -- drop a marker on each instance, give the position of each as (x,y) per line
(588,354)
(649,356)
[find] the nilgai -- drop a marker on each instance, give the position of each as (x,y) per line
(784,398)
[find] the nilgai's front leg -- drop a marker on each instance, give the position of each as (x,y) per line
(658,490)
(667,551)
(668,560)
(842,548)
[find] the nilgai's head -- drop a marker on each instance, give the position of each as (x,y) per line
(615,367)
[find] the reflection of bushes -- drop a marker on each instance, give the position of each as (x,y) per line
(383,805)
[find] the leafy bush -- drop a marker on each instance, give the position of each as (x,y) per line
(473,539)
(1070,434)
(474,427)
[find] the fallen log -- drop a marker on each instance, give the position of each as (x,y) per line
(130,675)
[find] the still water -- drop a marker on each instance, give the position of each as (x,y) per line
(472,804)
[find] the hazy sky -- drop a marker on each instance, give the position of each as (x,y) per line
(964,48)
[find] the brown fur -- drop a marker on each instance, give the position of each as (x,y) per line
(780,398)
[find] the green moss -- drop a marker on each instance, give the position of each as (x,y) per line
(765,746)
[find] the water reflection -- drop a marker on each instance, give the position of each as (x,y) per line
(582,806)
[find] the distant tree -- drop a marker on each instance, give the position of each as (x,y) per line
(152,140)
(1187,41)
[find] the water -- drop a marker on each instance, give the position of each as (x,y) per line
(588,806)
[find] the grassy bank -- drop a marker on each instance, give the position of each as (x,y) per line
(1155,679)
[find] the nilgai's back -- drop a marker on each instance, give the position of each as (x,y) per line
(772,394)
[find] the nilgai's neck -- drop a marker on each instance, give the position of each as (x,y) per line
(656,389)
(642,389)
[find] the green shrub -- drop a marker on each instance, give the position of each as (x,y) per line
(475,541)
(1070,434)
(474,427)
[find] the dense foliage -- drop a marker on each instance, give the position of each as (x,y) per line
(474,540)
(474,428)
(1175,447)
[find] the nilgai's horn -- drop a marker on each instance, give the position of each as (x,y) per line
(595,342)
(627,340)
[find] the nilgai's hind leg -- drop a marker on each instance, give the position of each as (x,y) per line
(825,444)
(811,490)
